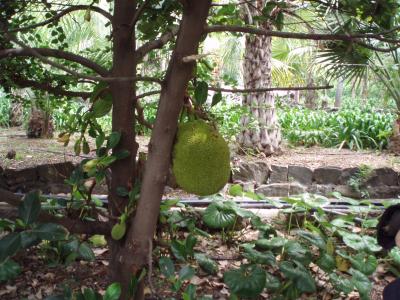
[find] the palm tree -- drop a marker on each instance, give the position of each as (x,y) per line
(257,66)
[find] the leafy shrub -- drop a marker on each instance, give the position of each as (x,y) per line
(5,107)
(355,128)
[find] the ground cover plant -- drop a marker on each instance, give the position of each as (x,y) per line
(307,251)
(355,128)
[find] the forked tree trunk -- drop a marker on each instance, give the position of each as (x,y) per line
(123,121)
(265,135)
(132,254)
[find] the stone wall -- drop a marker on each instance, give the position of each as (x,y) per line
(280,180)
(49,178)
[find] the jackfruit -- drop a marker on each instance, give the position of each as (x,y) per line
(201,159)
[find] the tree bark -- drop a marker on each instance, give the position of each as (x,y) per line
(123,94)
(339,93)
(140,235)
(265,136)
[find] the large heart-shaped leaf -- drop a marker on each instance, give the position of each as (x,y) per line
(272,283)
(264,258)
(9,245)
(167,267)
(360,242)
(9,269)
(275,242)
(314,239)
(341,284)
(85,252)
(362,283)
(326,262)
(50,232)
(248,281)
(206,263)
(218,216)
(300,276)
(29,209)
(298,252)
(364,263)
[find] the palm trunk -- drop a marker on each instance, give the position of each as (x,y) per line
(265,136)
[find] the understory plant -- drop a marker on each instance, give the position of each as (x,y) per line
(354,128)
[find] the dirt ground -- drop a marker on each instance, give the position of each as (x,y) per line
(31,152)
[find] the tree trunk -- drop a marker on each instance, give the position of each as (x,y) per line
(265,136)
(339,93)
(136,251)
(123,121)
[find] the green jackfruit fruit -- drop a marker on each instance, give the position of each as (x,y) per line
(201,160)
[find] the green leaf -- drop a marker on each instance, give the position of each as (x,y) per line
(218,216)
(85,147)
(272,283)
(297,252)
(362,283)
(275,242)
(89,294)
(248,281)
(102,107)
(314,239)
(217,98)
(85,252)
(360,242)
(341,284)
(264,258)
(186,273)
(190,242)
(326,262)
(29,209)
(178,248)
(395,255)
(28,239)
(201,93)
(9,270)
(364,263)
(206,264)
(300,276)
(279,21)
(236,190)
(113,139)
(98,240)
(113,292)
(9,245)
(50,232)
(190,292)
(167,267)
(77,147)
(100,140)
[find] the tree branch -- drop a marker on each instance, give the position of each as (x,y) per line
(72,225)
(156,44)
(138,13)
(46,52)
(300,36)
(301,88)
(61,14)
(46,86)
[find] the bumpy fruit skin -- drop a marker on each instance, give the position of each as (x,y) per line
(201,160)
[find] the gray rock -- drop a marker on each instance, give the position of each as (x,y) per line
(251,171)
(300,174)
(347,191)
(279,174)
(274,190)
(383,176)
(347,174)
(281,189)
(327,175)
(384,192)
(321,189)
(15,177)
(55,173)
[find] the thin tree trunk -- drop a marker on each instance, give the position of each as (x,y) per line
(137,249)
(123,92)
(264,136)
(364,91)
(339,93)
